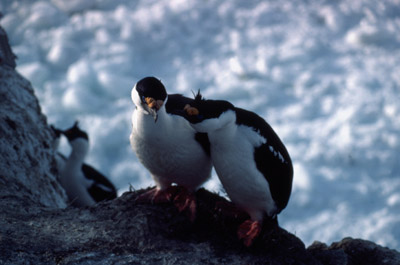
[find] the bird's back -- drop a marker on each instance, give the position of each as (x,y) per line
(272,157)
(101,188)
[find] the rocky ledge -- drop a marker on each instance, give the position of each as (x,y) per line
(38,227)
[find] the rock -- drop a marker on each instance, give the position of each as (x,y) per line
(27,163)
(354,251)
(328,256)
(37,227)
(7,57)
(125,231)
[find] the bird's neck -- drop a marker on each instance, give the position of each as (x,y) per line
(146,121)
(223,134)
(78,153)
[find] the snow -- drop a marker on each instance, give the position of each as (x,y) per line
(324,74)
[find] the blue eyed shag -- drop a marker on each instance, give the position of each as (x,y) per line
(167,145)
(251,161)
(83,184)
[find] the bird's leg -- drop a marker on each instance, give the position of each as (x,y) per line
(248,231)
(157,195)
(185,200)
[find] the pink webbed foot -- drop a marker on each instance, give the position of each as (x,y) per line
(248,231)
(156,196)
(186,201)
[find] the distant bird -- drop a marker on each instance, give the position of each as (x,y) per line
(251,161)
(168,146)
(84,185)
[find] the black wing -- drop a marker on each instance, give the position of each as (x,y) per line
(102,188)
(272,158)
(175,105)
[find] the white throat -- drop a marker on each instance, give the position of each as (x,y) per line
(80,148)
(72,178)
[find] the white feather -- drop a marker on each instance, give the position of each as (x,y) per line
(232,152)
(168,149)
(72,178)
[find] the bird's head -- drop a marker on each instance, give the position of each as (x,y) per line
(57,132)
(209,115)
(78,139)
(75,132)
(150,95)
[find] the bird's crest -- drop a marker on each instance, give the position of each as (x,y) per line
(198,97)
(76,124)
(75,132)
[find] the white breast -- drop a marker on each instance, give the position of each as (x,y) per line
(232,152)
(75,183)
(168,149)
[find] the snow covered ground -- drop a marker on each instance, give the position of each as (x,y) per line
(325,76)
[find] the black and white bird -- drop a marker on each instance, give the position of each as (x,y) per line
(83,184)
(167,145)
(251,161)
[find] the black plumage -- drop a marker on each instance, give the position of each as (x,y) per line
(278,171)
(101,189)
(175,106)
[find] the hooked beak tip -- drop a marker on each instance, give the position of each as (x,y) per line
(153,113)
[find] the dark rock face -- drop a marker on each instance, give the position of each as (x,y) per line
(27,165)
(124,231)
(7,57)
(36,227)
(354,251)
